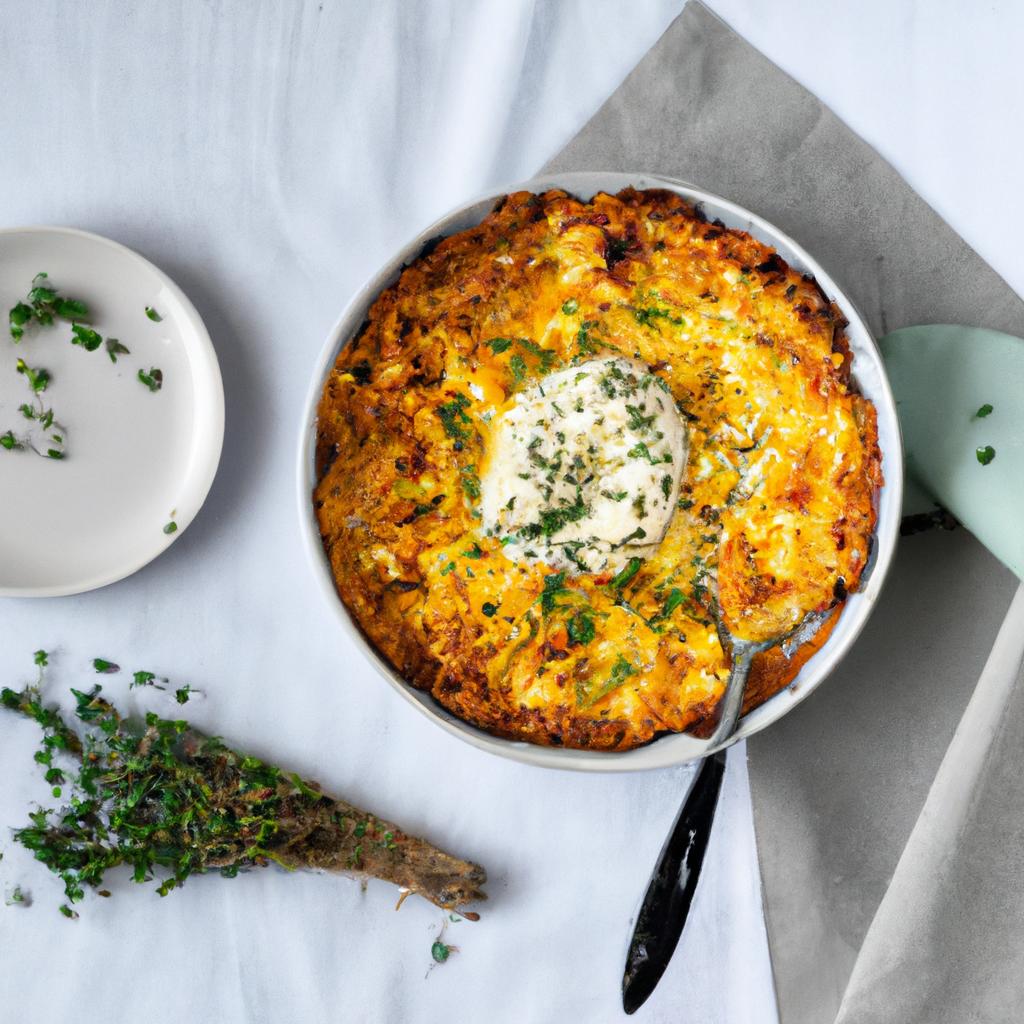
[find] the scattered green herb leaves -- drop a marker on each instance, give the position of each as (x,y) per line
(153,315)
(587,696)
(517,365)
(43,304)
(89,339)
(115,349)
(38,378)
(986,454)
(18,898)
(154,380)
(182,694)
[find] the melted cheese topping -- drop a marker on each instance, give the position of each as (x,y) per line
(417,461)
(583,467)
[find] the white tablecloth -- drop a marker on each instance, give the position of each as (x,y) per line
(269,156)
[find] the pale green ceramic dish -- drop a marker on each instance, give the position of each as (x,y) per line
(942,375)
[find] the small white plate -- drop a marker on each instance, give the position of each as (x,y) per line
(136,460)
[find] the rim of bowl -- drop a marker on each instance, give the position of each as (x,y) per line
(667,749)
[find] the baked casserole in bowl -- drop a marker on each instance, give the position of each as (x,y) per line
(571,430)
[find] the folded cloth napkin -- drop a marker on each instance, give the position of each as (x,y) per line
(839,785)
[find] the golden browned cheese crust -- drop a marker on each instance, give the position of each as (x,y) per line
(776,511)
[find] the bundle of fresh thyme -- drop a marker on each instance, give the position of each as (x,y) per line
(170,802)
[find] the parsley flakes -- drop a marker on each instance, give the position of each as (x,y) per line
(154,380)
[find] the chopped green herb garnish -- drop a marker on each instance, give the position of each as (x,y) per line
(649,317)
(440,952)
(9,442)
(583,340)
(985,410)
(641,451)
(38,378)
(453,417)
(154,380)
(171,527)
(499,345)
(570,306)
(985,455)
(18,317)
(621,671)
(675,598)
(17,898)
(153,315)
(581,627)
(115,349)
(637,420)
(554,584)
(89,339)
(471,483)
(517,364)
(104,666)
(43,305)
(553,520)
(622,578)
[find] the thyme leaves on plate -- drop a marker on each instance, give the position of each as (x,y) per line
(85,336)
(38,378)
(154,380)
(43,306)
(115,349)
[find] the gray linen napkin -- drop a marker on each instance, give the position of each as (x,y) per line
(840,783)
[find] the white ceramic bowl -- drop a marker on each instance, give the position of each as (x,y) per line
(868,371)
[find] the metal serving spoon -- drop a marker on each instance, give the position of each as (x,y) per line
(666,904)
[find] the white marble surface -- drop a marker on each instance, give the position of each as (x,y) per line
(268,156)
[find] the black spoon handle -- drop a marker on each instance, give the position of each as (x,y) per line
(666,905)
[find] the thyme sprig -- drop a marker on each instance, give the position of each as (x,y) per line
(170,802)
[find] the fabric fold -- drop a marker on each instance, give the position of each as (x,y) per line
(949,895)
(838,784)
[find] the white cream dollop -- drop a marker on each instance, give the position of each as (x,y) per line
(583,468)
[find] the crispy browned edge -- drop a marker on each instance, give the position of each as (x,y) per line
(772,671)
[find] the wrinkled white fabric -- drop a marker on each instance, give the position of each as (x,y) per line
(269,156)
